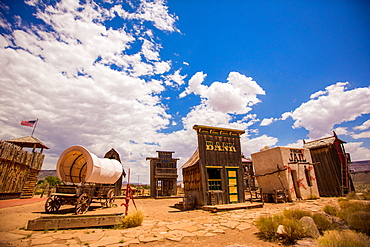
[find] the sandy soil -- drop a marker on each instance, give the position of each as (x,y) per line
(14,218)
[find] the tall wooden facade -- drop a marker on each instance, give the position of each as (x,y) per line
(249,176)
(214,174)
(332,172)
(163,174)
(19,168)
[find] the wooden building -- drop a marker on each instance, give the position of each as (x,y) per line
(285,173)
(249,176)
(19,168)
(113,154)
(214,174)
(163,174)
(332,172)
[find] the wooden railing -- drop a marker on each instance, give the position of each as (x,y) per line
(165,171)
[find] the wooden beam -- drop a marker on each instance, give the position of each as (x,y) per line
(78,221)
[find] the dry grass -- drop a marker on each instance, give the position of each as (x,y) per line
(132,220)
(345,238)
(356,214)
(293,230)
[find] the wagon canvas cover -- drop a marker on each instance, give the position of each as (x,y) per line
(77,165)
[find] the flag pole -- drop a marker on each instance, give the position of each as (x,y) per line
(34,127)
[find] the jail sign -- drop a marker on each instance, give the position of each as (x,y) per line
(220,146)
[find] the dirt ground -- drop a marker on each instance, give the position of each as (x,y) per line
(15,218)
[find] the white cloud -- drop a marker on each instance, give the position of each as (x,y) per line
(317,94)
(335,106)
(254,145)
(285,115)
(63,77)
(268,121)
(152,11)
(357,152)
(175,77)
(195,85)
(341,131)
(365,134)
(235,97)
(364,126)
(297,144)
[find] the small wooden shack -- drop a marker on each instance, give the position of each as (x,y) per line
(113,154)
(214,174)
(19,168)
(332,172)
(285,173)
(163,174)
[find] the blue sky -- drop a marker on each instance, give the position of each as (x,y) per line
(137,75)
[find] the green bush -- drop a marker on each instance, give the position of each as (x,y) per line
(345,238)
(133,220)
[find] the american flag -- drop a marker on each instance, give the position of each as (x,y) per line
(29,123)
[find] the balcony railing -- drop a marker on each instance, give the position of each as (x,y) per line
(165,171)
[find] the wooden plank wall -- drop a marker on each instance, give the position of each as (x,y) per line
(193,183)
(217,158)
(328,171)
(15,165)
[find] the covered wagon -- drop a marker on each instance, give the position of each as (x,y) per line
(86,179)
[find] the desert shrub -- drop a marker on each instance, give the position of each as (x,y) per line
(359,221)
(330,210)
(356,214)
(132,220)
(366,195)
(345,238)
(296,214)
(351,196)
(293,230)
(268,226)
(322,222)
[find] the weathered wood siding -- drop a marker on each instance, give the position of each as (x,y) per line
(224,158)
(328,172)
(193,186)
(15,167)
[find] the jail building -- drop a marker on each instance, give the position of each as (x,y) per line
(285,173)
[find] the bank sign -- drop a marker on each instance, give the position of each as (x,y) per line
(220,146)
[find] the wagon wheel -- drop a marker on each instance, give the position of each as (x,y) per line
(110,198)
(52,204)
(82,204)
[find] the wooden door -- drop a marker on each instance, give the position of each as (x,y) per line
(232,183)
